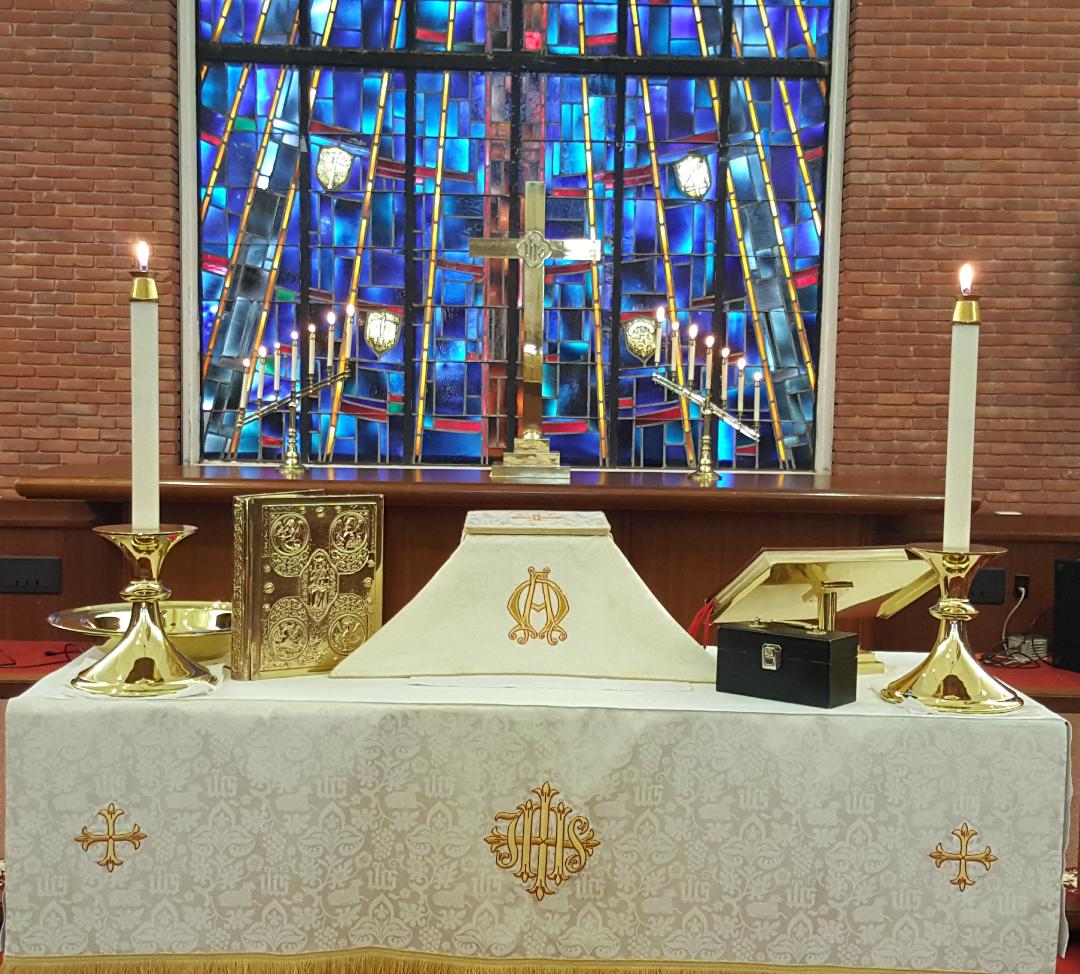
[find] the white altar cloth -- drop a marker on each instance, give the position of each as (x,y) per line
(309,815)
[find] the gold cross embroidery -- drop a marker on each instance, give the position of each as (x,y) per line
(533,250)
(110,860)
(962,880)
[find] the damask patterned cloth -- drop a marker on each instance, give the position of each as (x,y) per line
(633,822)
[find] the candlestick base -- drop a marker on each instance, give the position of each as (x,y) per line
(145,663)
(950,679)
(291,468)
(705,475)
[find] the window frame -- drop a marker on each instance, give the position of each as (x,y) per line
(191,51)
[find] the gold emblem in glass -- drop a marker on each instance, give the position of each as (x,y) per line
(541,843)
(333,167)
(110,837)
(640,336)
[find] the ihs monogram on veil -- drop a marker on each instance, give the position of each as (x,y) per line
(542,844)
(538,594)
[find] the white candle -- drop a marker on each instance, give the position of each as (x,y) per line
(742,384)
(331,320)
(145,446)
(710,340)
(311,351)
(725,353)
(659,334)
(350,325)
(692,342)
(676,351)
(757,398)
(260,368)
(245,388)
(959,461)
(294,363)
(277,368)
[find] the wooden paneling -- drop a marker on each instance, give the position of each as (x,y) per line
(90,567)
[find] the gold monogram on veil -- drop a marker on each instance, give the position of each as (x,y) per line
(538,594)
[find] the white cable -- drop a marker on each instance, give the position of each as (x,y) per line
(1008,618)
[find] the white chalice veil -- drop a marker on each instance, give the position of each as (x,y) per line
(538,594)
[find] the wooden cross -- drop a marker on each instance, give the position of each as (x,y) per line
(533,250)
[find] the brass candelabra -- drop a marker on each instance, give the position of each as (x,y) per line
(705,474)
(291,466)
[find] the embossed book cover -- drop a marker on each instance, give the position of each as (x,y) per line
(307,580)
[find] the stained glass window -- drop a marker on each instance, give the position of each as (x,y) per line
(349,150)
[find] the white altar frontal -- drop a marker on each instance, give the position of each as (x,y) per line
(528,824)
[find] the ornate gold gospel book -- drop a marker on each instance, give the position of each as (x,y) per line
(307,580)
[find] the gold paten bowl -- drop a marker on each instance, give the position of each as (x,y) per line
(200,630)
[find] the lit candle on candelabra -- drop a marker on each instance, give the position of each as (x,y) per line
(260,369)
(963,377)
(692,355)
(710,340)
(742,384)
(757,398)
(311,351)
(277,368)
(660,315)
(676,351)
(331,321)
(145,446)
(725,354)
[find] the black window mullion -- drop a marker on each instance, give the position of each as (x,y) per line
(307,418)
(618,186)
(408,364)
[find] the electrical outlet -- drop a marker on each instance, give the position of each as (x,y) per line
(29,575)
(1021,582)
(988,587)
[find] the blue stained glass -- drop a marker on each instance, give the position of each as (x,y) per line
(721,227)
(248,21)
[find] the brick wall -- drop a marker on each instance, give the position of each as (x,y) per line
(88,163)
(963,143)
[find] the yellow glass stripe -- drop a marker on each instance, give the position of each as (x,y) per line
(433,250)
(661,224)
(594,230)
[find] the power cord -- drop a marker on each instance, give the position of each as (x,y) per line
(1003,654)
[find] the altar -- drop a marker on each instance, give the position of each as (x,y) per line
(462,825)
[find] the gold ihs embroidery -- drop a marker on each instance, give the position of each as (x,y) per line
(962,880)
(535,595)
(110,860)
(542,844)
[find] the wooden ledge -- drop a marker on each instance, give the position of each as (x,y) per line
(472,488)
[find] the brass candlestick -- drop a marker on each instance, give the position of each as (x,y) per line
(144,663)
(950,679)
(705,475)
(291,468)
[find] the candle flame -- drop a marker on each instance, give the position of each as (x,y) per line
(295,335)
(725,352)
(350,310)
(247,363)
(311,328)
(710,340)
(693,332)
(262,351)
(967,275)
(277,346)
(331,318)
(675,327)
(742,364)
(661,314)
(142,254)
(757,376)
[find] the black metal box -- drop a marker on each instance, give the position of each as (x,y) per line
(788,663)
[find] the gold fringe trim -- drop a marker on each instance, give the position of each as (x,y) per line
(375,960)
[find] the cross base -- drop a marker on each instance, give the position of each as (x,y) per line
(532,461)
